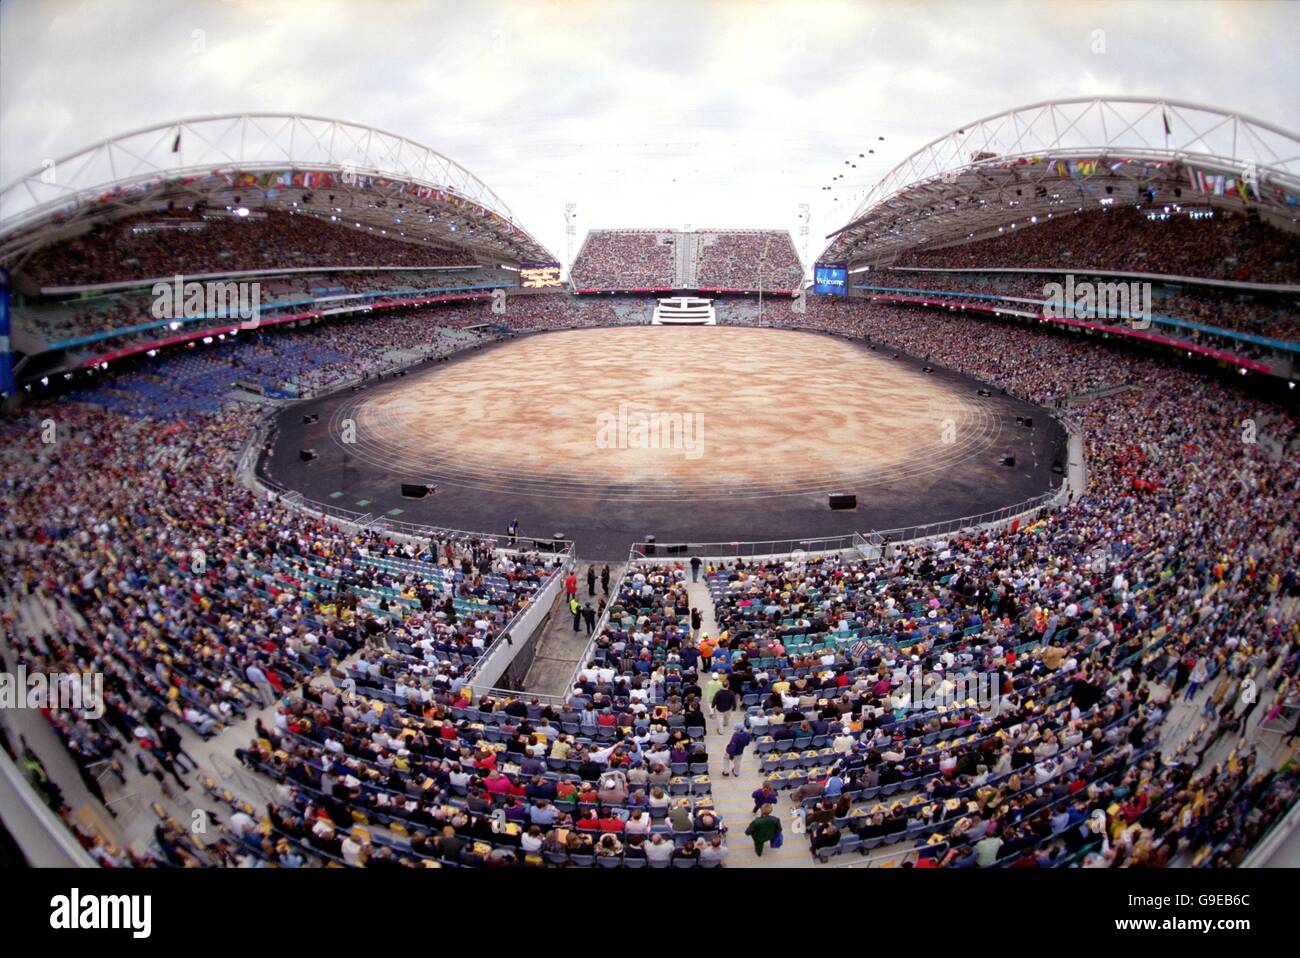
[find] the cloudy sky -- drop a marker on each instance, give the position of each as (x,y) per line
(645,113)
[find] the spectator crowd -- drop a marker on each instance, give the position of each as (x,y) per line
(134,248)
(1171,578)
(746,260)
(1223,246)
(626,259)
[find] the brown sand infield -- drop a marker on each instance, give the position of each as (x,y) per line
(734,410)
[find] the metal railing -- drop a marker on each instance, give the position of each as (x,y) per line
(930,530)
(557,574)
(601,622)
(677,551)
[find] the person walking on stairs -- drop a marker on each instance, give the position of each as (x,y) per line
(724,702)
(711,689)
(735,751)
(763,829)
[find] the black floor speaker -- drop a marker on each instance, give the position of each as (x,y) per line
(415,490)
(843,500)
(306,455)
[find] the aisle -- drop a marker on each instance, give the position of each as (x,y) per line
(732,795)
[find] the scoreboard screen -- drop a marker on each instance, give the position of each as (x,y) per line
(831,280)
(539,275)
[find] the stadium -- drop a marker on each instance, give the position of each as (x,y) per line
(347,525)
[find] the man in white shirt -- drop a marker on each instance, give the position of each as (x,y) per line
(658,850)
(241,824)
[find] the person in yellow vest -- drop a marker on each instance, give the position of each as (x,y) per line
(576,608)
(711,689)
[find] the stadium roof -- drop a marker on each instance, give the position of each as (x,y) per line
(259,160)
(1065,155)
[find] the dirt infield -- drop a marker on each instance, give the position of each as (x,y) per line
(671,413)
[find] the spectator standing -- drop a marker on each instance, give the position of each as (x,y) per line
(764,829)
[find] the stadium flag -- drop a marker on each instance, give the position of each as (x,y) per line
(1197,180)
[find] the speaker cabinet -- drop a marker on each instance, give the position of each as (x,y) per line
(415,490)
(306,455)
(843,500)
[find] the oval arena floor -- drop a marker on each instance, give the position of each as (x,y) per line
(698,434)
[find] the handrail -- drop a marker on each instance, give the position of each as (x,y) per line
(755,548)
(601,622)
(560,569)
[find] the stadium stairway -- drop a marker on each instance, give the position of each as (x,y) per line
(35,616)
(559,648)
(732,795)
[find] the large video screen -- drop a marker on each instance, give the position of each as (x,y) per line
(539,275)
(829,280)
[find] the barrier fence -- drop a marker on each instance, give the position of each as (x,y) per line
(682,552)
(525,623)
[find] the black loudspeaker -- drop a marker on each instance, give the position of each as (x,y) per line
(843,500)
(306,455)
(415,490)
(1029,422)
(306,420)
(650,548)
(983,392)
(1058,467)
(1008,460)
(675,550)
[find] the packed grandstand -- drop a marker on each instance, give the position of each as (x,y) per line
(321,682)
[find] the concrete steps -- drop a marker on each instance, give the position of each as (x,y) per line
(733,795)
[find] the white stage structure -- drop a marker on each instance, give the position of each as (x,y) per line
(685,311)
